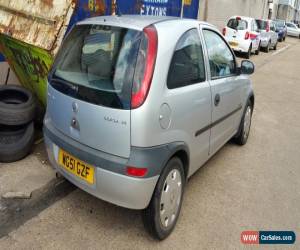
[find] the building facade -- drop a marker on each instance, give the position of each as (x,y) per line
(288,10)
(218,12)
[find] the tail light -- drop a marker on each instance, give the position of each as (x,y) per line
(238,18)
(144,67)
(247,35)
(253,36)
(136,172)
(224,32)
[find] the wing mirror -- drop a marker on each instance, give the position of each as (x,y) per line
(247,67)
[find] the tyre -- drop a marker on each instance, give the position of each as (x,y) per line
(267,49)
(15,142)
(245,125)
(257,51)
(17,105)
(280,39)
(283,38)
(248,54)
(275,46)
(161,215)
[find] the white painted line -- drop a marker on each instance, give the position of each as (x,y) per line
(281,50)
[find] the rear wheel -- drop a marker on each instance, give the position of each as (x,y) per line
(245,125)
(161,215)
(248,54)
(283,38)
(275,46)
(267,49)
(258,50)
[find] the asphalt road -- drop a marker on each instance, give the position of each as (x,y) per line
(255,187)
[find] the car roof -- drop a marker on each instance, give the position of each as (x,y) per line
(137,22)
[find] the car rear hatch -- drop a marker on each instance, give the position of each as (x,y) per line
(236,29)
(91,91)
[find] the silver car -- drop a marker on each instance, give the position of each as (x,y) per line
(268,37)
(137,104)
(293,30)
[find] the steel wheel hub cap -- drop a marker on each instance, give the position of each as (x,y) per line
(170,198)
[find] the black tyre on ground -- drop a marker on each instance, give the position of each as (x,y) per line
(275,46)
(284,38)
(258,50)
(245,125)
(17,105)
(161,215)
(267,49)
(15,142)
(248,54)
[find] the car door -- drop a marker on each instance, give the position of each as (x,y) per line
(189,96)
(226,89)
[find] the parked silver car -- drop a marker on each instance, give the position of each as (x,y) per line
(269,37)
(293,30)
(137,104)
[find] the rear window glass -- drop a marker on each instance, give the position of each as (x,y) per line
(262,25)
(96,64)
(237,24)
(280,23)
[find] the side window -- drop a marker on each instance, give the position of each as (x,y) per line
(221,59)
(187,65)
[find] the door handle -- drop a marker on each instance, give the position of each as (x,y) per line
(217,99)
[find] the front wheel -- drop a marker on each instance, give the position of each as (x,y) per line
(161,215)
(244,129)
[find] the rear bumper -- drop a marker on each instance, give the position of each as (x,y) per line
(122,190)
(264,42)
(110,180)
(281,34)
(243,46)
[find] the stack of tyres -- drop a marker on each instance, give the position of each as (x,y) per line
(17,113)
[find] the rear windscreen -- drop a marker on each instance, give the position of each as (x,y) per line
(237,24)
(280,23)
(262,25)
(96,64)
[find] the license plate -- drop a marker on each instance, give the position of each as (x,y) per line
(233,44)
(75,166)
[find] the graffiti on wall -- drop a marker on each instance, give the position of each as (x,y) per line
(31,64)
